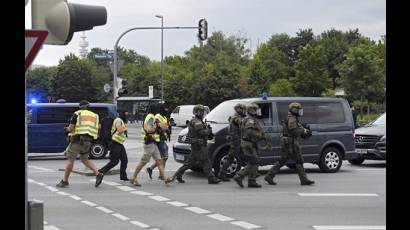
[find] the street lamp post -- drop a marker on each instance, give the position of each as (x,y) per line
(162,55)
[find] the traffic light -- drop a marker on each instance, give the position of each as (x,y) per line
(122,86)
(203,30)
(61,19)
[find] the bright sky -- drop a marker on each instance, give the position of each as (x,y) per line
(254,19)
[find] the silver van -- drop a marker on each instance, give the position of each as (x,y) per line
(330,119)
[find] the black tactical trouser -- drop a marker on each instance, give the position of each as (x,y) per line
(117,153)
(199,154)
(251,155)
(234,151)
(290,150)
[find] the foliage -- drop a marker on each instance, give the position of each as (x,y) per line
(281,88)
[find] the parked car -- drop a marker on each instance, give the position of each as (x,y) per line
(370,141)
(330,119)
(182,114)
(46,122)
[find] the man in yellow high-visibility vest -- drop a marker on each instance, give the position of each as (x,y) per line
(117,150)
(83,129)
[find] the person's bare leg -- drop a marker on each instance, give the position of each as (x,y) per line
(89,164)
(68,169)
(161,168)
(138,169)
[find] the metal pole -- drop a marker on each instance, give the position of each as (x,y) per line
(162,53)
(25,155)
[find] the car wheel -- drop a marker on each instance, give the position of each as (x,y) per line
(232,169)
(98,150)
(357,161)
(291,165)
(330,160)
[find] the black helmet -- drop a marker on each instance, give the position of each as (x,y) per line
(198,110)
(84,104)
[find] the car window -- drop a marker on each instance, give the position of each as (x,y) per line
(176,110)
(54,114)
(330,112)
(266,113)
(309,112)
(222,112)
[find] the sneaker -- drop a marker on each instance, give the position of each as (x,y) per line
(270,180)
(98,179)
(308,182)
(62,184)
(161,178)
(135,183)
(149,171)
(238,180)
(169,180)
(180,180)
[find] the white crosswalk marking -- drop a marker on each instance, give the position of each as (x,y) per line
(244,224)
(142,225)
(177,203)
(89,203)
(220,217)
(126,188)
(106,210)
(197,210)
(121,217)
(159,198)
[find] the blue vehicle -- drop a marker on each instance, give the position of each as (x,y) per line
(46,122)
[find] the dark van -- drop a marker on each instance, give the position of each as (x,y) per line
(329,118)
(46,122)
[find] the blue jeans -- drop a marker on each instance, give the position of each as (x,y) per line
(163,149)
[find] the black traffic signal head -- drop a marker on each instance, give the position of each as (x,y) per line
(202,29)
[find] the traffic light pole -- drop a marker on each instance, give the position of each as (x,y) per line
(115,90)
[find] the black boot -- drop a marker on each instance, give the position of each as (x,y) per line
(269,179)
(253,184)
(213,180)
(238,178)
(222,176)
(307,182)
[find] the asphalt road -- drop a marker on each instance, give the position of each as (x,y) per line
(353,198)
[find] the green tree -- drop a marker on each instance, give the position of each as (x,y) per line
(75,80)
(281,88)
(362,73)
(312,77)
(39,82)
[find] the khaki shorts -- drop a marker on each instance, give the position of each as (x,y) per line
(74,149)
(150,150)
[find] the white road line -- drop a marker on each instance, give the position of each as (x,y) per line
(75,197)
(220,217)
(41,168)
(50,227)
(126,188)
(337,194)
(142,225)
(106,210)
(111,183)
(244,224)
(121,217)
(197,210)
(63,193)
(42,184)
(177,203)
(159,198)
(350,227)
(31,181)
(52,189)
(142,193)
(88,203)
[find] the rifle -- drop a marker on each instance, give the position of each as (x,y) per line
(309,133)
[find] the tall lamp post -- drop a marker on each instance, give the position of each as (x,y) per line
(162,55)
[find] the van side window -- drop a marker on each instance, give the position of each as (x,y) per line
(330,112)
(54,115)
(266,117)
(309,112)
(176,110)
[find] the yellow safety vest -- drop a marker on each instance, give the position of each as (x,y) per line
(87,123)
(118,137)
(149,128)
(161,121)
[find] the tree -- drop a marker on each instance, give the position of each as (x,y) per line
(75,80)
(282,88)
(312,77)
(39,82)
(362,73)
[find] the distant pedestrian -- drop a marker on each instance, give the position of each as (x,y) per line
(117,150)
(83,129)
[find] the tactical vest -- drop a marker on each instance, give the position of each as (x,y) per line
(118,137)
(235,124)
(194,135)
(87,123)
(149,129)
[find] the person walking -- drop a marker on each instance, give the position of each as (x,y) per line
(234,140)
(117,150)
(199,133)
(82,130)
(150,133)
(292,132)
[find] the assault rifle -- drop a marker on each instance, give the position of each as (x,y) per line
(309,133)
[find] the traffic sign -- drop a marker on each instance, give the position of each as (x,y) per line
(33,41)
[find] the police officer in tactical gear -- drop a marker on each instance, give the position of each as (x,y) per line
(292,131)
(199,134)
(234,139)
(251,132)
